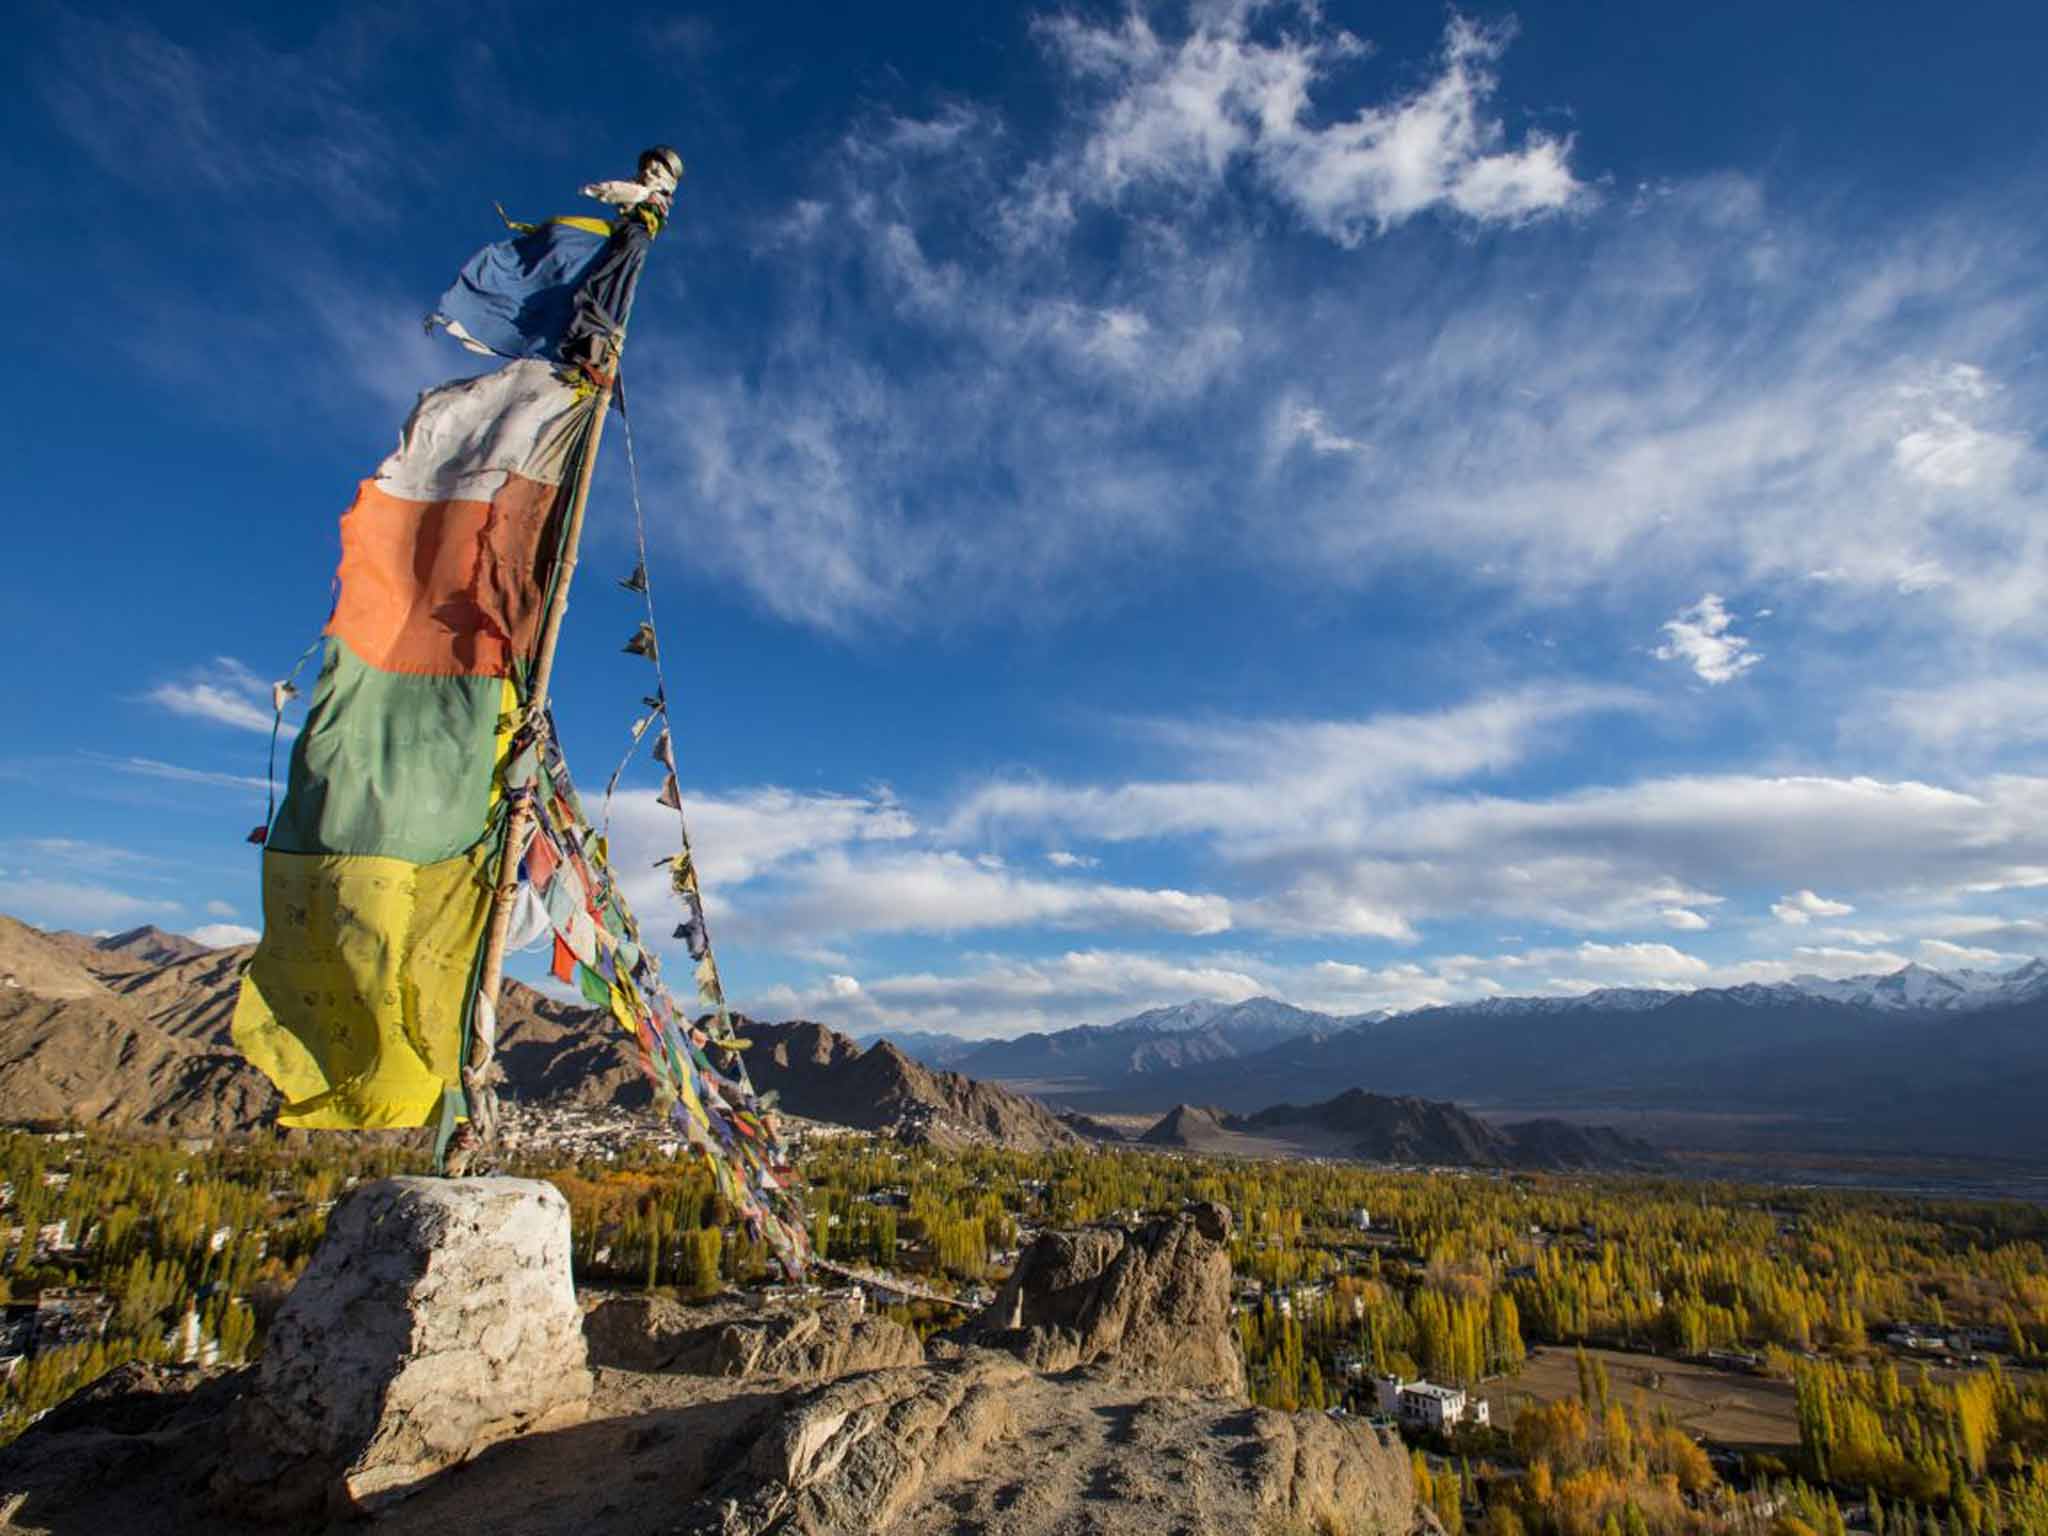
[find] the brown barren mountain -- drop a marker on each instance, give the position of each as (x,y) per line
(133,1030)
(823,1075)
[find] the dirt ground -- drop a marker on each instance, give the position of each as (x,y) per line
(1726,1407)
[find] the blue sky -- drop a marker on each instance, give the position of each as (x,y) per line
(1369,505)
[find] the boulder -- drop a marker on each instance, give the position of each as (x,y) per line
(437,1317)
(1151,1305)
(808,1344)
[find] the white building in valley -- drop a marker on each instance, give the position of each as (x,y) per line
(1426,1405)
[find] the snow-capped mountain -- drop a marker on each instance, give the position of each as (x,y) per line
(1913,988)
(1867,1062)
(1921,989)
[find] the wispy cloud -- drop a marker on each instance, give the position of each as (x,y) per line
(1702,389)
(246,120)
(224,692)
(177,773)
(1986,713)
(1284,778)
(61,903)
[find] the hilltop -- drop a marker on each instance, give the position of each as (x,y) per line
(1371,1127)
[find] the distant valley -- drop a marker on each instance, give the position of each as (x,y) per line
(1919,1062)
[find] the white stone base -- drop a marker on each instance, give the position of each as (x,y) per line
(437,1317)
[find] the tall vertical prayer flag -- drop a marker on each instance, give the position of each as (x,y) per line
(377,874)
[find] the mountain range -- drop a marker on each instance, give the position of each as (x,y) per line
(132,1029)
(1160,1040)
(1916,1061)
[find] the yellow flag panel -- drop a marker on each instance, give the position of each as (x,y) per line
(370,959)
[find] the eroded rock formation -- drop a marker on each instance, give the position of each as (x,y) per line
(1152,1304)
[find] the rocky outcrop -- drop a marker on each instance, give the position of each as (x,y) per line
(437,1317)
(823,1075)
(1332,1474)
(983,1444)
(801,1344)
(854,1456)
(1153,1304)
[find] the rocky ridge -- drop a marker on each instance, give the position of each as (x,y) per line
(133,1031)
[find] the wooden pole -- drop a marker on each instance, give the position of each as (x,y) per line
(482,1128)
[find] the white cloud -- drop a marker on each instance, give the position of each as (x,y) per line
(1940,445)
(1635,399)
(225,935)
(79,854)
(780,868)
(999,996)
(1290,778)
(2017,932)
(1864,937)
(1183,112)
(81,904)
(1305,424)
(1683,919)
(220,909)
(1940,952)
(1701,637)
(1635,964)
(1986,713)
(1802,907)
(225,692)
(943,892)
(741,836)
(1060,858)
(1342,858)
